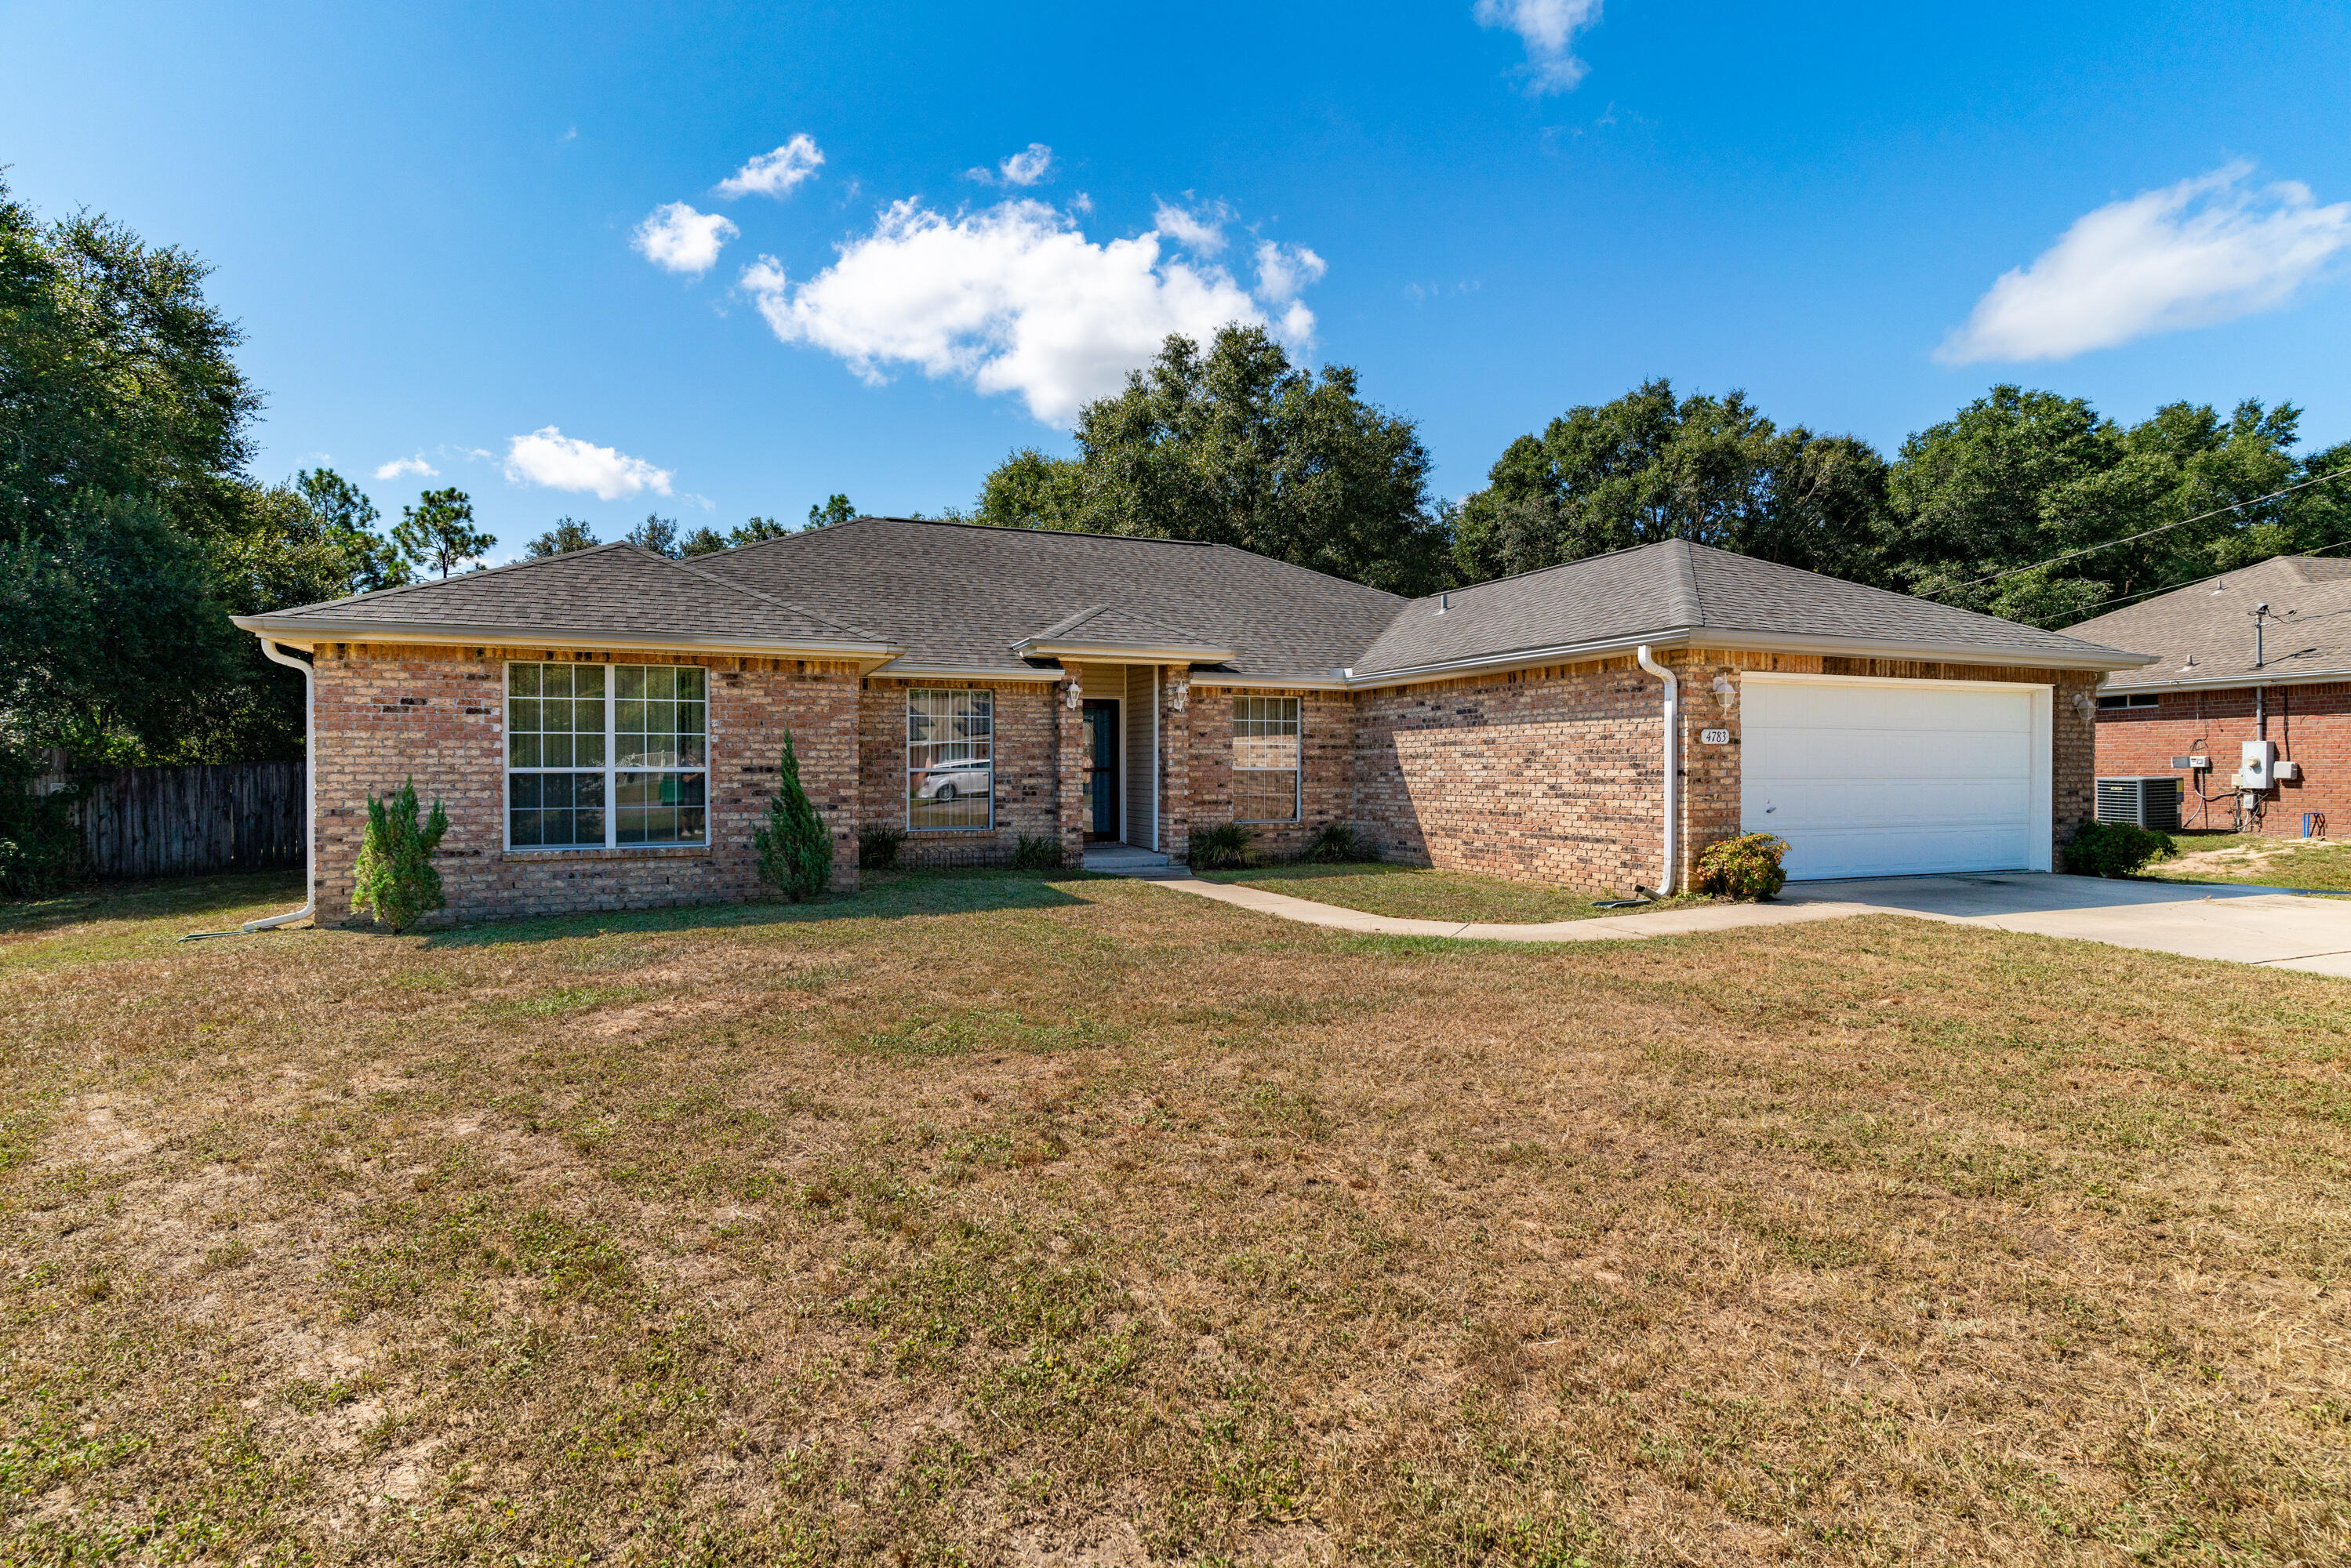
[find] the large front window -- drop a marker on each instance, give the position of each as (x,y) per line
(950,758)
(601,755)
(1264,760)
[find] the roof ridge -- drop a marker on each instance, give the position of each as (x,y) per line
(1681,586)
(422,583)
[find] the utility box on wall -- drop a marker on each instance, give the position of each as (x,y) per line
(2254,772)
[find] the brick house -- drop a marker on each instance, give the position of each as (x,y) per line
(2261,654)
(604,726)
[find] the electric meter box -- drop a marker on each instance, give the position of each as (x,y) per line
(2254,771)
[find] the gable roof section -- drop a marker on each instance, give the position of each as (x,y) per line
(2203,634)
(1105,628)
(1679,593)
(615,594)
(951,598)
(965,599)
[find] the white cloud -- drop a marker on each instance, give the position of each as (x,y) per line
(1202,231)
(562,462)
(680,239)
(775,173)
(2192,255)
(400,466)
(1016,299)
(1031,166)
(1549,29)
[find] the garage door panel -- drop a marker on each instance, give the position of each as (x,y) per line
(1886,778)
(1923,804)
(1860,708)
(1850,754)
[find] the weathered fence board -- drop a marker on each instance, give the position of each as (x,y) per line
(176,821)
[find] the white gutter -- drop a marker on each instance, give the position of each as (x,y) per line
(310,804)
(1673,732)
(306,631)
(2222,683)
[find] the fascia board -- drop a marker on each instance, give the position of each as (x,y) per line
(1760,642)
(1131,653)
(310,634)
(2244,678)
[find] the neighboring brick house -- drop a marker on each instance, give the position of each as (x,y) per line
(2223,676)
(604,726)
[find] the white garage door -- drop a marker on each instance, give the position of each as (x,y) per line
(1895,778)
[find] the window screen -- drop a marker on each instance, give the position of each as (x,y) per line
(1264,760)
(950,758)
(598,755)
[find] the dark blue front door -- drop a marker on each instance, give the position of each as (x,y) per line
(1102,769)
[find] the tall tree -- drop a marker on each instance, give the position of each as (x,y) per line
(125,432)
(438,532)
(1651,466)
(657,534)
(1237,445)
(2031,506)
(836,509)
(569,534)
(343,515)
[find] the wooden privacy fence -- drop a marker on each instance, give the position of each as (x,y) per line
(176,821)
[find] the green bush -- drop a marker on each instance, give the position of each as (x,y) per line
(394,877)
(794,852)
(40,837)
(877,848)
(1039,853)
(1745,867)
(1337,844)
(1221,847)
(2115,849)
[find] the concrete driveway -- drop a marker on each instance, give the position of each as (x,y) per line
(2248,925)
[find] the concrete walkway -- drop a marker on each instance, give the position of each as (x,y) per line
(2246,925)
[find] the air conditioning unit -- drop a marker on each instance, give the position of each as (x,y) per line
(2151,800)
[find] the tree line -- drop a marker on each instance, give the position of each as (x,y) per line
(132,527)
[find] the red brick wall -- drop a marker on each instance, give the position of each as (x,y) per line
(1027,769)
(1326,732)
(1554,775)
(2309,724)
(389,712)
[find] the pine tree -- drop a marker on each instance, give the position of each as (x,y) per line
(795,851)
(395,876)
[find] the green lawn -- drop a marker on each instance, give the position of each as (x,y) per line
(999,1218)
(2253,859)
(1415,892)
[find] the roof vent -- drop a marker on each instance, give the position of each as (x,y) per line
(1444,602)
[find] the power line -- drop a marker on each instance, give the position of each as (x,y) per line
(2149,533)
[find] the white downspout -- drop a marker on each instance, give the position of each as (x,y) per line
(1673,733)
(310,804)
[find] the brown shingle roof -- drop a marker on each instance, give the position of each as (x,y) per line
(2203,634)
(615,590)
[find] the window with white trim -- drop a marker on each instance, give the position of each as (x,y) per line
(1264,760)
(950,758)
(606,756)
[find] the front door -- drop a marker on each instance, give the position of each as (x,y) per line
(1102,770)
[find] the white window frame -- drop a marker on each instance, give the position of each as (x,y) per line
(1297,770)
(907,769)
(610,769)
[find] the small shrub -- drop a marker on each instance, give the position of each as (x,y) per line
(1222,847)
(1038,852)
(877,848)
(394,879)
(2115,849)
(1745,867)
(1337,844)
(794,852)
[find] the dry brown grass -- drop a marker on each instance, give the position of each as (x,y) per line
(995,1220)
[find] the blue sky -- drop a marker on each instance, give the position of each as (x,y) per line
(432,219)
